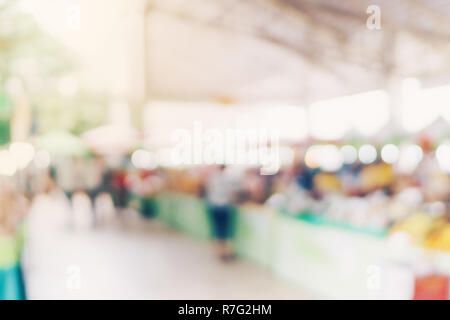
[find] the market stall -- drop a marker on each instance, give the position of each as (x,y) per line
(184,212)
(330,260)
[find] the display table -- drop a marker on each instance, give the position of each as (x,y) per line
(254,226)
(11,278)
(327,260)
(340,264)
(255,234)
(323,259)
(147,206)
(322,220)
(184,212)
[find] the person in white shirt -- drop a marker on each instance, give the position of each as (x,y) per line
(220,193)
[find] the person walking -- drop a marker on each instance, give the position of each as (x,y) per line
(220,193)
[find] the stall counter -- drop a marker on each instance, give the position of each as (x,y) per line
(332,262)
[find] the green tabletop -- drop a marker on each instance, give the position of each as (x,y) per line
(320,219)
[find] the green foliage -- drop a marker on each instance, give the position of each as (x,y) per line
(21,39)
(74,114)
(25,48)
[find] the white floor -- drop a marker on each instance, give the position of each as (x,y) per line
(134,260)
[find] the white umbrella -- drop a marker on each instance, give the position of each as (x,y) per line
(112,139)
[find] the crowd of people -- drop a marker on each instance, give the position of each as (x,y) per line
(353,193)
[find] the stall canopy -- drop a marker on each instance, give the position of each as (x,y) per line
(283,53)
(61,143)
(111,139)
(296,51)
(291,50)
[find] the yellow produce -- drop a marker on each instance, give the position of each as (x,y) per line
(417,226)
(439,238)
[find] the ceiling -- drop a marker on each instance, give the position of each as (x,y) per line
(291,50)
(247,51)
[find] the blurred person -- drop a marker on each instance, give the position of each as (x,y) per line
(250,187)
(432,179)
(349,177)
(13,208)
(305,178)
(41,182)
(81,215)
(66,176)
(119,189)
(220,194)
(92,175)
(281,180)
(102,192)
(7,225)
(256,187)
(147,184)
